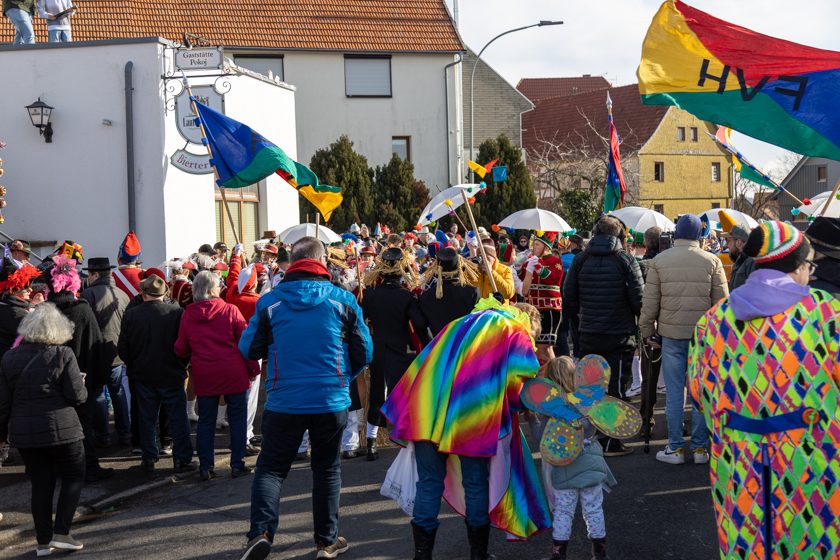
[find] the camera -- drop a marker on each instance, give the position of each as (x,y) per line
(666,240)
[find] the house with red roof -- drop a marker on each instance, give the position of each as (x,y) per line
(670,162)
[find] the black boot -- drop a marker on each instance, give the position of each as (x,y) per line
(372,453)
(558,550)
(423,543)
(599,549)
(478,537)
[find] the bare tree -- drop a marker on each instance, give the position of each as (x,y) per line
(579,161)
(758,201)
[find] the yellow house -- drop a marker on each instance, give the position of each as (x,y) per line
(670,162)
(682,170)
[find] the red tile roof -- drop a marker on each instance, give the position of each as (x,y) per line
(563,120)
(345,25)
(536,89)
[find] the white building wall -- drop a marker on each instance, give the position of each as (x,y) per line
(76,187)
(417,109)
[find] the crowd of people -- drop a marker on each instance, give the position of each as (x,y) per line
(433,334)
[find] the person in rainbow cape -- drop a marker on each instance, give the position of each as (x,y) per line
(458,404)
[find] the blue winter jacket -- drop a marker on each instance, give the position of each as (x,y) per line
(314,341)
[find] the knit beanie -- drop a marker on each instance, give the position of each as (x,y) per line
(688,227)
(777,245)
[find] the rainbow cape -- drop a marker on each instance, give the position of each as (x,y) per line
(773,90)
(462,394)
(243,157)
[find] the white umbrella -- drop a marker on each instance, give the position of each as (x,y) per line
(437,207)
(818,202)
(294,233)
(744,220)
(642,219)
(536,219)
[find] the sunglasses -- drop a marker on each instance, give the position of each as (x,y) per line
(812,267)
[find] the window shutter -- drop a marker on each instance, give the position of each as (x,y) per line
(367,77)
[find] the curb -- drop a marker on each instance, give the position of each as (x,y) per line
(103,504)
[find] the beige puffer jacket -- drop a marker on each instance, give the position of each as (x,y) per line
(682,284)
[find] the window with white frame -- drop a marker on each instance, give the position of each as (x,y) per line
(715,172)
(367,76)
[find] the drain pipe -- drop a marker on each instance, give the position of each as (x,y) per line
(129,145)
(446,97)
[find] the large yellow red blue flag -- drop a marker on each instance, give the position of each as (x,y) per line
(768,88)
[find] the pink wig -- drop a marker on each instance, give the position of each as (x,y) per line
(64,275)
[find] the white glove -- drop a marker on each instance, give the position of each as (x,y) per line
(473,242)
(237,248)
(532,263)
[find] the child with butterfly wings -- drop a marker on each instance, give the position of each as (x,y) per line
(574,398)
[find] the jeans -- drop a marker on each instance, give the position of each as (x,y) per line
(45,465)
(163,419)
(205,436)
(149,402)
(24,32)
(59,35)
(431,468)
(282,434)
(674,369)
(121,403)
(618,350)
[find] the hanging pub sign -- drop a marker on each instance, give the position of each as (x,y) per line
(184,116)
(200,58)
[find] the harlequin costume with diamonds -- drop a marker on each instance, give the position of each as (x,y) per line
(764,370)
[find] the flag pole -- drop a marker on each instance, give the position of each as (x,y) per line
(318,226)
(831,199)
(210,153)
(487,268)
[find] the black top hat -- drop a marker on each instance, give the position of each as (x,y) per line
(96,264)
(392,255)
(448,259)
(824,234)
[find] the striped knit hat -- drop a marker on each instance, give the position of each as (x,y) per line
(777,245)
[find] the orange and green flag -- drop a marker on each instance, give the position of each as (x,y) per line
(768,88)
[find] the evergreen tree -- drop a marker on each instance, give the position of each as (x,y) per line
(394,196)
(500,200)
(342,166)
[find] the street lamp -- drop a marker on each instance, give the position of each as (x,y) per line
(542,23)
(39,114)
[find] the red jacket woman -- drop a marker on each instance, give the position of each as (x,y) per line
(241,286)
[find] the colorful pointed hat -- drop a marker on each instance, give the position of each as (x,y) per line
(727,222)
(129,250)
(546,237)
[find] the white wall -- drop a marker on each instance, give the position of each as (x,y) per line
(75,188)
(416,109)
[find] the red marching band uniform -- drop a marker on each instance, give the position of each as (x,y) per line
(546,293)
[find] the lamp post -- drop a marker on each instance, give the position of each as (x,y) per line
(542,23)
(40,114)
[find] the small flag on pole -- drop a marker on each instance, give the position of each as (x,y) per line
(615,188)
(481,170)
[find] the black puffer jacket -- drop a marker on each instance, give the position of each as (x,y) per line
(12,312)
(39,386)
(827,276)
(604,288)
(456,302)
(87,338)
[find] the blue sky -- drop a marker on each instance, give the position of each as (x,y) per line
(604,37)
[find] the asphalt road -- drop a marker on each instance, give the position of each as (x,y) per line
(657,511)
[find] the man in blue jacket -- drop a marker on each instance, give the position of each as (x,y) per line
(314,342)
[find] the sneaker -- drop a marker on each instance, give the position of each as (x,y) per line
(633,391)
(136,451)
(256,440)
(236,472)
(148,465)
(614,448)
(207,475)
(674,457)
(257,548)
(166,450)
(660,387)
(221,424)
(65,542)
(340,546)
(701,456)
(43,550)
(351,454)
(192,416)
(251,450)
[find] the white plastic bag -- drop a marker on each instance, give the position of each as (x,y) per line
(401,479)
